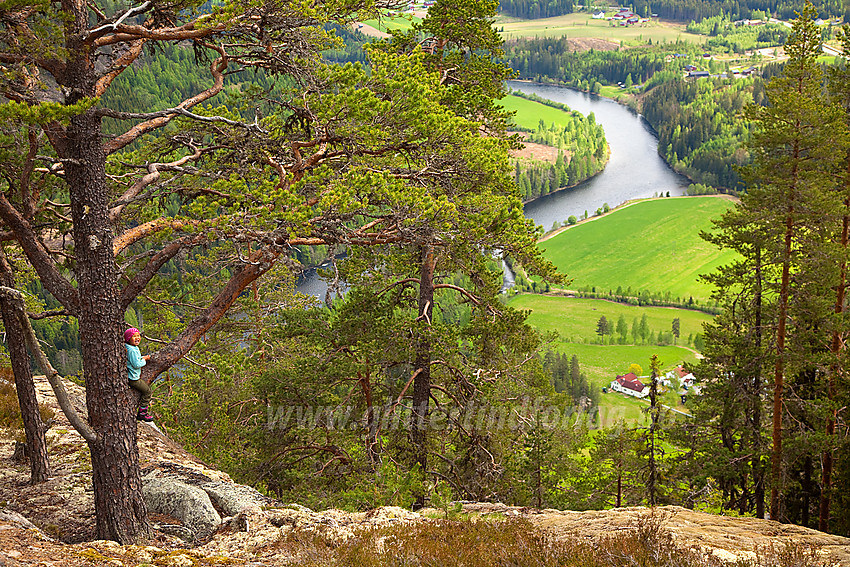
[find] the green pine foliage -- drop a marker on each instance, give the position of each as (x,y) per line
(568,378)
(552,60)
(776,353)
(700,128)
(534,9)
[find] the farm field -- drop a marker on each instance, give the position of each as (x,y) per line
(649,245)
(394,22)
(530,113)
(602,364)
(615,407)
(575,319)
(571,318)
(582,25)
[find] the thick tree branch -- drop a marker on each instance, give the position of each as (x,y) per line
(216,68)
(39,257)
(54,66)
(46,314)
(132,290)
(144,230)
(16,299)
(134,49)
(162,360)
(124,33)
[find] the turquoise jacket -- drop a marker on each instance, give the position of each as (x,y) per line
(134,362)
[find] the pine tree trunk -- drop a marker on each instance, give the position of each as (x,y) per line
(806,485)
(119,506)
(779,368)
(33,426)
(372,441)
(619,488)
(422,381)
(758,467)
(652,476)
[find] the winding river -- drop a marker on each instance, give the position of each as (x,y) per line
(635,169)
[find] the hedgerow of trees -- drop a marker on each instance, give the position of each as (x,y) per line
(725,36)
(698,10)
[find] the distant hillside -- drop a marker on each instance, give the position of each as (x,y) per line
(651,246)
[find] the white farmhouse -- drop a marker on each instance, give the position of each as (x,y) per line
(630,385)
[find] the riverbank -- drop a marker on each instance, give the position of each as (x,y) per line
(633,170)
(576,184)
(633,101)
(562,147)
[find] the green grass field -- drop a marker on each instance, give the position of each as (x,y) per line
(581,25)
(575,319)
(403,22)
(653,245)
(602,364)
(530,113)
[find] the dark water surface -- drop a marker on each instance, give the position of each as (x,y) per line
(635,169)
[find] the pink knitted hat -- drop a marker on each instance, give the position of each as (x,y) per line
(128,334)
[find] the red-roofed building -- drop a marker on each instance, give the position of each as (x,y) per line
(630,385)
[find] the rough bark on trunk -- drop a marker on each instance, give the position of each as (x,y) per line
(758,467)
(119,506)
(34,428)
(781,330)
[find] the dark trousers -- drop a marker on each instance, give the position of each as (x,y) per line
(142,387)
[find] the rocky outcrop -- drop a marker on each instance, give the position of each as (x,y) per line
(188,504)
(197,501)
(729,538)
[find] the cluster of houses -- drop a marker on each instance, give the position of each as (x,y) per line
(691,72)
(623,17)
(818,22)
(633,385)
(413,6)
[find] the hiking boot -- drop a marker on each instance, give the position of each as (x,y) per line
(143,414)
